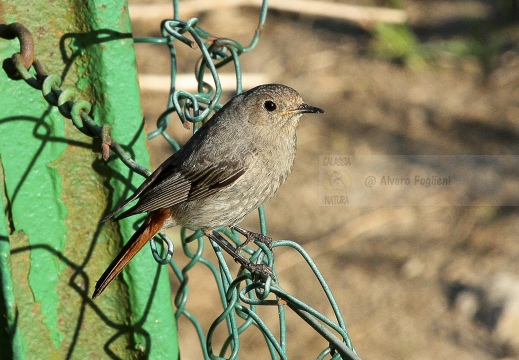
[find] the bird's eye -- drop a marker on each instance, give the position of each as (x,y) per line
(269,105)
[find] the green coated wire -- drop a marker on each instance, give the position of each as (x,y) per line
(324,285)
(262,220)
(238,305)
(215,53)
(151,40)
(259,29)
(175,9)
(228,315)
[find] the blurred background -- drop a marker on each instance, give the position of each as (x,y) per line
(417,281)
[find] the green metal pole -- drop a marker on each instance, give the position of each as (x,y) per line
(54,189)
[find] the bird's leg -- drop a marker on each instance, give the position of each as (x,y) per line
(251,236)
(259,269)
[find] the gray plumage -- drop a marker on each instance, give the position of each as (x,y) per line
(230,166)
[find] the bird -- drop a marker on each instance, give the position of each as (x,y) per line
(234,163)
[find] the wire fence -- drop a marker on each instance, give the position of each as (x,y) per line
(241,295)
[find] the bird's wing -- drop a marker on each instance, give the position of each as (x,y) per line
(162,170)
(173,187)
(187,186)
(186,176)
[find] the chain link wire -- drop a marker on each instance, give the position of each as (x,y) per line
(241,296)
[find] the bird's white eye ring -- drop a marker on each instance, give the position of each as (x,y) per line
(270,105)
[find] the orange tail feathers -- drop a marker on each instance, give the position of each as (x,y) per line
(148,229)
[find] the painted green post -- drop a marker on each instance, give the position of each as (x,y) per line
(54,188)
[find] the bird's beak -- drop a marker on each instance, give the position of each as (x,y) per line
(303,109)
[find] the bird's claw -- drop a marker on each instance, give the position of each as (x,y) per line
(262,270)
(252,237)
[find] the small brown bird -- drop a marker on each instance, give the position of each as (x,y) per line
(228,168)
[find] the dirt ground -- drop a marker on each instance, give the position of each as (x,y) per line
(429,273)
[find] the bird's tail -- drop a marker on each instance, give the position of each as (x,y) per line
(151,226)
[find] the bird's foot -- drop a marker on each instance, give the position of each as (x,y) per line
(250,237)
(262,270)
